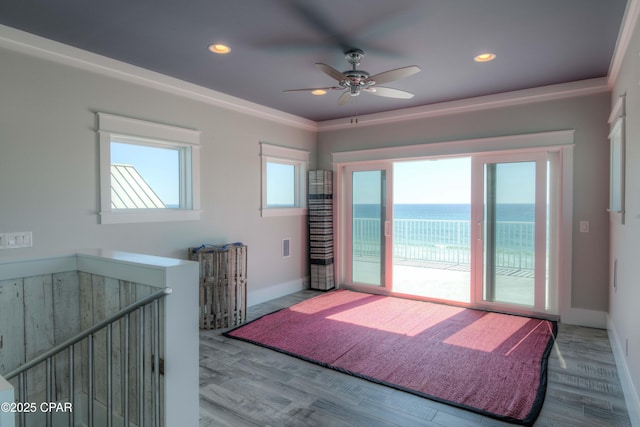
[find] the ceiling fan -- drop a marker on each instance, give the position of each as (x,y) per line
(355,81)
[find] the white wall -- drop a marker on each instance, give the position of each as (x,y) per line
(49,170)
(586,114)
(624,316)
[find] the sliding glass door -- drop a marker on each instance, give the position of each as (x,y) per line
(471,229)
(369,224)
(511,207)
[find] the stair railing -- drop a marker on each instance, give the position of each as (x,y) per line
(88,334)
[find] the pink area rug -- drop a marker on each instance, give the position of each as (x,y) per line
(491,363)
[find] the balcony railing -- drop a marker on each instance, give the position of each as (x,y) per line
(446,241)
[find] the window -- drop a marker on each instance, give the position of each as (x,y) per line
(283,180)
(616,158)
(148,171)
(281,188)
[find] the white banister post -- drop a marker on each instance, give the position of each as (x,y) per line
(7,418)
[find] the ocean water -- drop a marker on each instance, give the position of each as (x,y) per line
(514,231)
(524,212)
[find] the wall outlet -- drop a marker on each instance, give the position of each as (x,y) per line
(17,239)
(584,226)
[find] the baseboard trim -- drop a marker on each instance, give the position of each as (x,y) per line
(276,291)
(583,317)
(631,396)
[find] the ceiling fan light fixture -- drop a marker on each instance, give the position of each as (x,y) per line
(485,57)
(221,49)
(319,92)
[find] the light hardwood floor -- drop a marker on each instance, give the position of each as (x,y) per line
(246,385)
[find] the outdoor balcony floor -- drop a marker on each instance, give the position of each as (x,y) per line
(448,281)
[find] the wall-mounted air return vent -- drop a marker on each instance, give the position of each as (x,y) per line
(286,248)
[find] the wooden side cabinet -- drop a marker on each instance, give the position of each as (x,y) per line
(223,284)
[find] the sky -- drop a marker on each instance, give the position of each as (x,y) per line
(160,168)
(444,181)
(441,181)
(280,184)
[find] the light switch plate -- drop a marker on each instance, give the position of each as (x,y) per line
(16,239)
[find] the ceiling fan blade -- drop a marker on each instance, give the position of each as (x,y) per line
(311,89)
(331,72)
(391,75)
(322,24)
(389,92)
(344,98)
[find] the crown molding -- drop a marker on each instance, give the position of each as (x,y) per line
(629,22)
(40,47)
(26,43)
(506,99)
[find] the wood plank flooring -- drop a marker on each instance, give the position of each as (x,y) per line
(246,385)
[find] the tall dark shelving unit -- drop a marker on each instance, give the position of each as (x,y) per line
(320,220)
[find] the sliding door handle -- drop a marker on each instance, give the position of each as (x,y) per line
(387,228)
(480,230)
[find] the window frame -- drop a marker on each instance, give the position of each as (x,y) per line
(617,159)
(141,132)
(270,153)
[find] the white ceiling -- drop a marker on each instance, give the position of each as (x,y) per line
(275,44)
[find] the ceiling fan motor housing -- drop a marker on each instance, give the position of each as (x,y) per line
(355,79)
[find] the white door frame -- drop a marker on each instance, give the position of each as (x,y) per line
(560,143)
(541,289)
(346,225)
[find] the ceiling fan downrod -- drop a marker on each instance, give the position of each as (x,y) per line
(354,56)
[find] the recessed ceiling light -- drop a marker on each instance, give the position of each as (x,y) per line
(485,57)
(219,48)
(319,92)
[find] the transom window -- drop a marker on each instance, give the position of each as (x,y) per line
(148,171)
